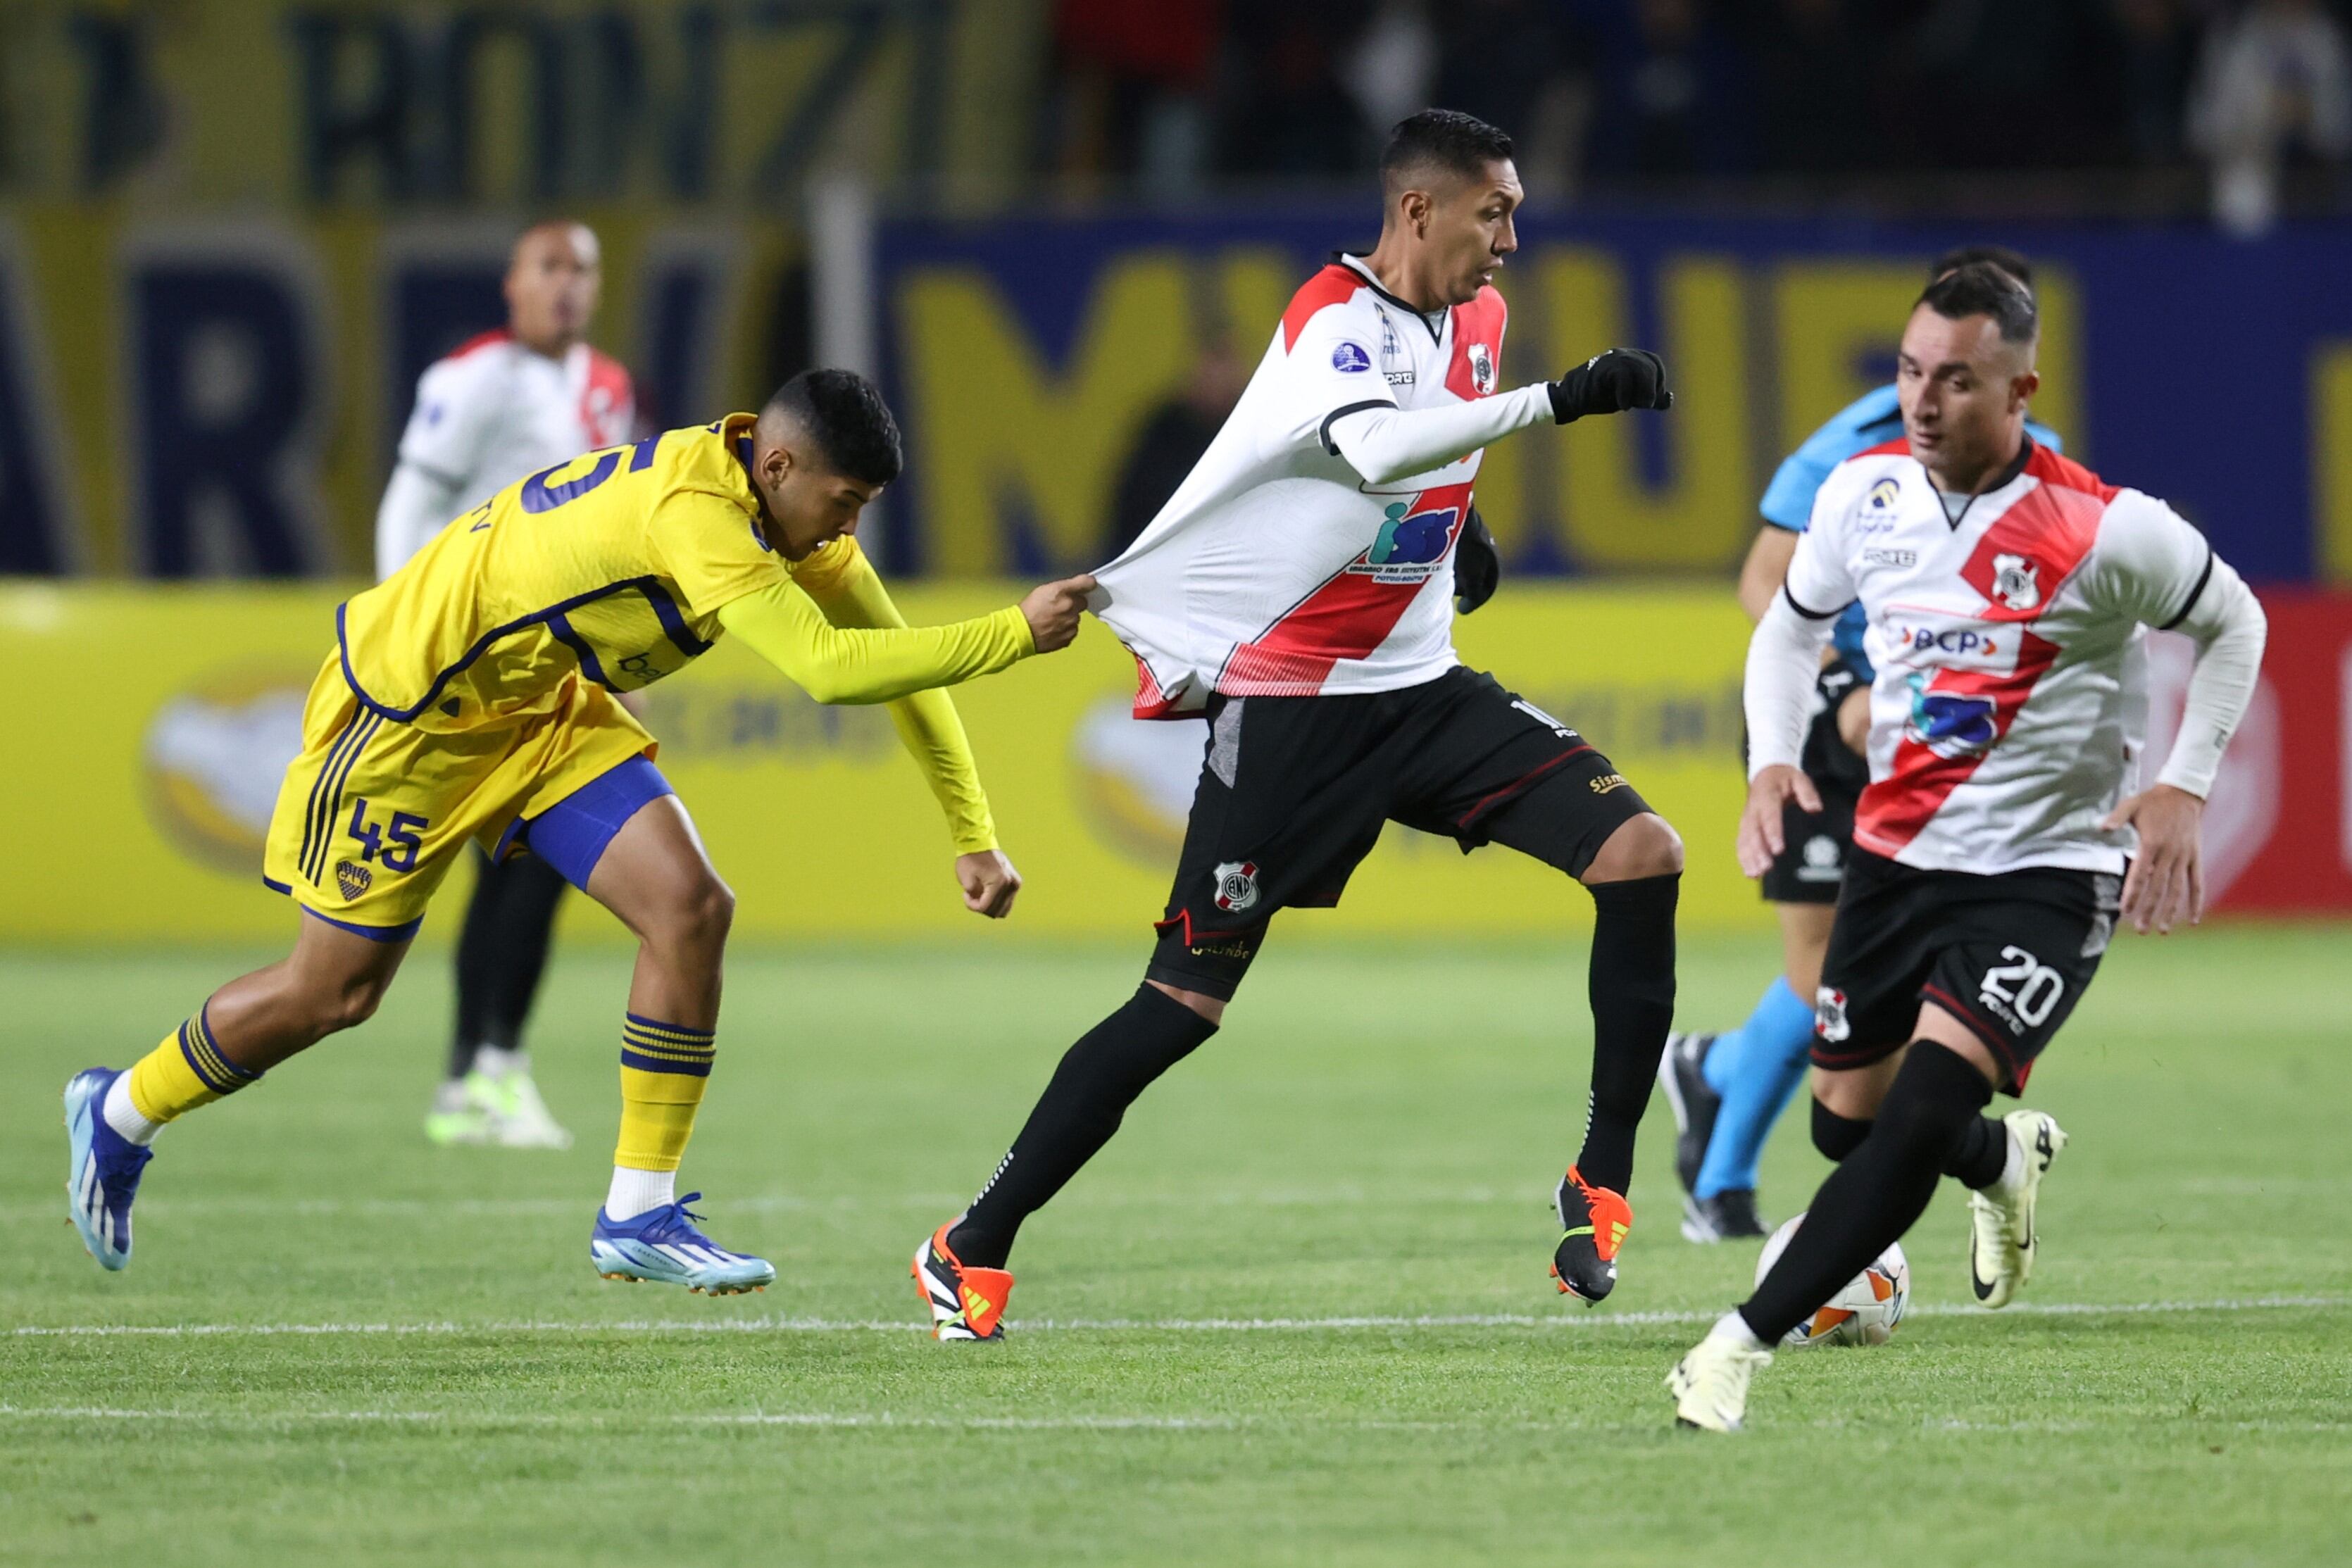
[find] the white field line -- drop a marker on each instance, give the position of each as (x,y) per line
(780,1324)
(885,1421)
(1337,1195)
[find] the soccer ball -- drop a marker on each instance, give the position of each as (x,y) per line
(1865,1312)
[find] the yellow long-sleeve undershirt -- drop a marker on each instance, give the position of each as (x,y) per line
(835,631)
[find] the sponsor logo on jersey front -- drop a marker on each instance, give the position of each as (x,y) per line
(1883,494)
(1949,724)
(1875,556)
(1351,359)
(1410,544)
(1237,885)
(1916,637)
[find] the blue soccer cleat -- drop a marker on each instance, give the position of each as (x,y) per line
(663,1245)
(102,1175)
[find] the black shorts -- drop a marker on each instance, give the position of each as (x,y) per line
(1294,792)
(1810,868)
(2007,954)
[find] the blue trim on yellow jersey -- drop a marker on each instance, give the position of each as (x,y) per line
(673,622)
(559,628)
(649,586)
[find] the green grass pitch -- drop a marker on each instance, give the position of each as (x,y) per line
(1296,1313)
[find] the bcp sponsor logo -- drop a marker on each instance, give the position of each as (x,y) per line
(1948,643)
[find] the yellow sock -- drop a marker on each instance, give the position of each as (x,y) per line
(663,1070)
(185,1071)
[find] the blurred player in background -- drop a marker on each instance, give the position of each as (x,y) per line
(469,700)
(1295,592)
(505,404)
(1727,1089)
(2000,837)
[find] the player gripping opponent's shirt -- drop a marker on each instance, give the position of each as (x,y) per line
(470,697)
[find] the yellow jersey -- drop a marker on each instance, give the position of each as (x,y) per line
(614,568)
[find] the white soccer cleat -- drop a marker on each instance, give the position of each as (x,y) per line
(519,1119)
(1710,1384)
(2002,1238)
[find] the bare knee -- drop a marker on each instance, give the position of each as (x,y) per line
(1210,1009)
(1642,846)
(698,917)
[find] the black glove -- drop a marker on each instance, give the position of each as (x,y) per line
(1611,383)
(1478,565)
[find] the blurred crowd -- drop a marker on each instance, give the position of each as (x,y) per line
(1165,96)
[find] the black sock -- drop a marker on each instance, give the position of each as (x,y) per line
(1877,1192)
(1098,1078)
(1631,986)
(1835,1135)
(1981,1154)
(501,952)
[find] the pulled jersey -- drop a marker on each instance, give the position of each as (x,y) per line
(1276,568)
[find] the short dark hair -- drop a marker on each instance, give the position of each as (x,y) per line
(1981,289)
(847,418)
(2009,261)
(1444,139)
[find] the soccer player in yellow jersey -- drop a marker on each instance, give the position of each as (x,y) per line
(469,699)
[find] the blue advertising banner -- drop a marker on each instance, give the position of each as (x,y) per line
(1030,356)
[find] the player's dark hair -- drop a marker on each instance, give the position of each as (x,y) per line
(1442,139)
(847,418)
(1981,289)
(2013,262)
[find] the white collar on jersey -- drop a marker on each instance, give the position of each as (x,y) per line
(1432,319)
(1953,515)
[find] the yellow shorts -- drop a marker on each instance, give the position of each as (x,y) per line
(374,813)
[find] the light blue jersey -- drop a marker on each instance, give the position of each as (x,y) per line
(1870,420)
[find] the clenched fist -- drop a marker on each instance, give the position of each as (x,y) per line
(1611,382)
(1053,611)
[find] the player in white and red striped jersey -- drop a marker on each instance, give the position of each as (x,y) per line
(1296,592)
(2008,594)
(500,406)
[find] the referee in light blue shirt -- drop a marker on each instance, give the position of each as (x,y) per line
(1727,1089)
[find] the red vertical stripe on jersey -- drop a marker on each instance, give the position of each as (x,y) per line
(1347,617)
(1331,286)
(1894,810)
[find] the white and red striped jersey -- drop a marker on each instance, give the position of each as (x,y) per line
(1277,569)
(487,415)
(2010,704)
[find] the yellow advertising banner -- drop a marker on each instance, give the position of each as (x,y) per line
(151,725)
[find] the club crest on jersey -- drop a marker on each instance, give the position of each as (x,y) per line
(2013,581)
(1883,494)
(1481,368)
(1949,724)
(1237,885)
(1349,359)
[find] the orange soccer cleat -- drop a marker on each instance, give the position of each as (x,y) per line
(1596,1221)
(966,1302)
